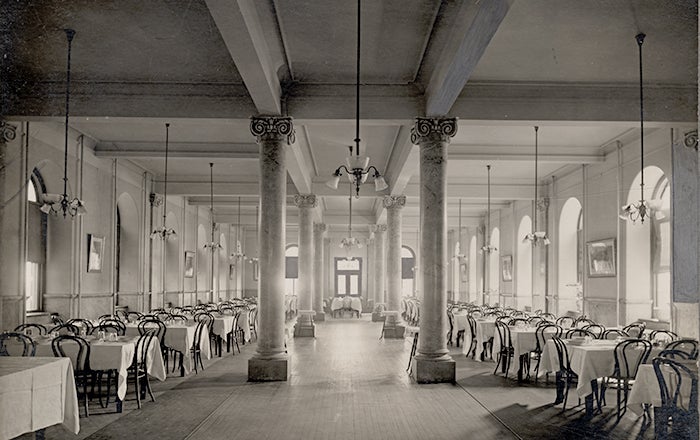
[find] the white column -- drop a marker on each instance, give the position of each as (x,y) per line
(392,327)
(379,280)
(433,362)
(270,361)
(306,203)
(319,264)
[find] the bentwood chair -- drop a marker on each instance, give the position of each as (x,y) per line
(565,375)
(38,328)
(662,336)
(22,340)
(472,342)
(565,322)
(596,329)
(65,329)
(138,369)
(582,321)
(674,354)
(612,334)
(635,330)
(629,355)
(687,346)
(81,362)
(543,333)
(675,379)
(83,324)
(505,353)
(148,324)
(196,349)
(579,332)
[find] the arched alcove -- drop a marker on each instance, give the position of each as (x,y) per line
(471,282)
(202,264)
(127,235)
(570,242)
(408,278)
(647,251)
(494,265)
(291,257)
(523,265)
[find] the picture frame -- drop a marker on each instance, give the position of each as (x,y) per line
(601,258)
(507,267)
(96,246)
(189,264)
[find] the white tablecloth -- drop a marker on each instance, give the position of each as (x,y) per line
(646,389)
(181,338)
(484,330)
(35,393)
(353,303)
(523,340)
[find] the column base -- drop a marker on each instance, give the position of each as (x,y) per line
(268,370)
(433,371)
(320,316)
(304,330)
(378,317)
(395,332)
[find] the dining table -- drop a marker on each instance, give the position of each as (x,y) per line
(117,354)
(35,393)
(484,331)
(523,340)
(180,337)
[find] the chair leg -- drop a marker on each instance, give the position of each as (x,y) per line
(148,386)
(137,384)
(85,391)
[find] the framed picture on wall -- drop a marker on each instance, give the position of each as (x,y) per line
(189,264)
(96,244)
(507,267)
(601,258)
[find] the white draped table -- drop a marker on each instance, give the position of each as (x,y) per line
(35,393)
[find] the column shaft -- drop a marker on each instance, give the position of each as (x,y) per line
(379,259)
(319,232)
(393,205)
(304,325)
(433,363)
(270,360)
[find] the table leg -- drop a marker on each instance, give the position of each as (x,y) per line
(40,434)
(589,405)
(560,386)
(119,405)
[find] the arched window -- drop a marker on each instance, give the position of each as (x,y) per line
(408,263)
(35,265)
(570,242)
(291,255)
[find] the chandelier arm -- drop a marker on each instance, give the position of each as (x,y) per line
(376,171)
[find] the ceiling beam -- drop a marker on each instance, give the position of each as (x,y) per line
(194,150)
(525,157)
(241,30)
(401,166)
(474,24)
(514,102)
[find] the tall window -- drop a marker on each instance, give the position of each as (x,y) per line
(291,269)
(408,262)
(661,251)
(36,245)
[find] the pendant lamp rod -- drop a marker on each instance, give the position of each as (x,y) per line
(357,84)
(70,33)
(488,203)
(534,222)
(211,198)
(165,184)
(640,40)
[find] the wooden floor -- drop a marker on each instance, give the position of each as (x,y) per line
(348,384)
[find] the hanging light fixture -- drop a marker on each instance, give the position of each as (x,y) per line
(536,237)
(350,242)
(640,210)
(458,247)
(487,248)
(62,203)
(238,254)
(356,166)
(254,260)
(164,232)
(213,245)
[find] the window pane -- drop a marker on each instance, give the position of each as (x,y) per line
(341,285)
(348,264)
(354,288)
(32,286)
(290,286)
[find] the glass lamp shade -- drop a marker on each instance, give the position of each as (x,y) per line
(357,162)
(536,238)
(380,184)
(333,182)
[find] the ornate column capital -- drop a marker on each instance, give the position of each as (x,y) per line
(8,132)
(394,202)
(305,200)
(320,227)
(433,129)
(272,127)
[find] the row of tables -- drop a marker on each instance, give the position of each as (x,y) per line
(37,392)
(591,360)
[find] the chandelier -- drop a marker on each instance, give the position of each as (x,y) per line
(212,245)
(641,209)
(253,260)
(356,166)
(238,254)
(350,242)
(63,203)
(487,248)
(164,233)
(536,237)
(458,255)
